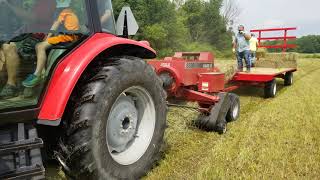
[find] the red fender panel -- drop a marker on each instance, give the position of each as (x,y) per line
(68,72)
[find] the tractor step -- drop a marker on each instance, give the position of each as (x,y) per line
(21,145)
(28,172)
(20,154)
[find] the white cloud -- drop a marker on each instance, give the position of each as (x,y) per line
(303,14)
(272,23)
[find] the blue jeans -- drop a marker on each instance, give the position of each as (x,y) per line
(246,56)
(253,57)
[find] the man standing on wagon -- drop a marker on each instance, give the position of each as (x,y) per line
(242,46)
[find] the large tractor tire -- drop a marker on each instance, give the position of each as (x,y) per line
(118,124)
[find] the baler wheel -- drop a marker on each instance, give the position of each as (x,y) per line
(216,120)
(234,111)
(118,124)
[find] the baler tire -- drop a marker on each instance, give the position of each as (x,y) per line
(203,122)
(288,79)
(234,111)
(216,119)
(221,127)
(270,89)
(87,148)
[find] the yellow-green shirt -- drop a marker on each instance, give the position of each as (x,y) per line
(253,44)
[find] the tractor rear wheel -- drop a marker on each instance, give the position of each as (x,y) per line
(117,127)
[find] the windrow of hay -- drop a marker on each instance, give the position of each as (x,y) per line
(278,60)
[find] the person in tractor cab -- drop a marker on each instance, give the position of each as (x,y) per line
(66,24)
(13,52)
(242,46)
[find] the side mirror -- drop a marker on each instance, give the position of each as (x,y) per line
(126,23)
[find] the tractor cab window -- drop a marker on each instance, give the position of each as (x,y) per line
(106,16)
(34,35)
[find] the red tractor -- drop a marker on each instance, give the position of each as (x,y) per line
(90,99)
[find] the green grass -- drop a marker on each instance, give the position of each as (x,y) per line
(312,56)
(274,138)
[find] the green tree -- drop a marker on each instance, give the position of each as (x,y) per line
(179,25)
(158,21)
(309,44)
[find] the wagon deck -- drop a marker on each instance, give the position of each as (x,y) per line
(259,74)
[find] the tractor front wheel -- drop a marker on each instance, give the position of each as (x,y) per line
(118,124)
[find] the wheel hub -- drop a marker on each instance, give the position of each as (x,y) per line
(131,125)
(122,124)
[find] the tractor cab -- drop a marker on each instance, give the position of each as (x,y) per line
(64,72)
(26,24)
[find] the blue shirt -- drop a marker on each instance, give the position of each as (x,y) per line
(242,43)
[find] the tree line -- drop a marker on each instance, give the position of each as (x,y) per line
(178,25)
(309,44)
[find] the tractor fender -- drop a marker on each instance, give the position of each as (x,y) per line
(69,70)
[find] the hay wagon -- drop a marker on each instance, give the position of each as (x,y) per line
(270,67)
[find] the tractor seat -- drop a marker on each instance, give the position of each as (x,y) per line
(66,45)
(55,52)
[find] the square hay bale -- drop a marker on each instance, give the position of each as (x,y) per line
(229,68)
(278,60)
(261,53)
(266,63)
(229,72)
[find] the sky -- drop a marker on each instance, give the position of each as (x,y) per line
(303,14)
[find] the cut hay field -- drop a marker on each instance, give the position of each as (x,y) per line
(273,139)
